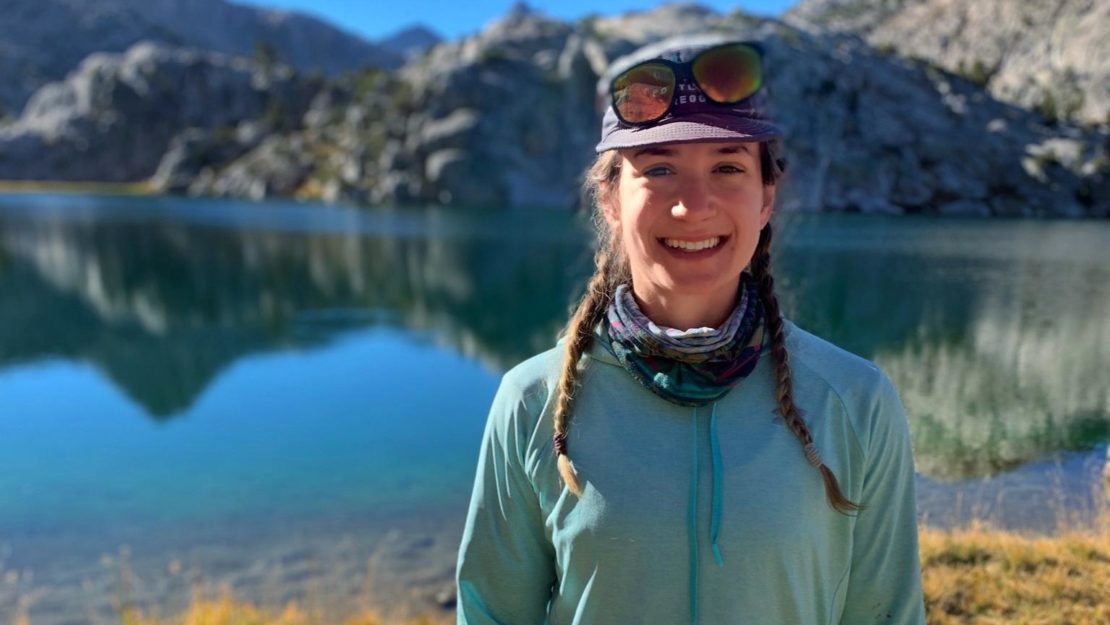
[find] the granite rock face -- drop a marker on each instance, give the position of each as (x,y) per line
(335,150)
(113,118)
(496,121)
(1049,55)
(871,134)
(508,117)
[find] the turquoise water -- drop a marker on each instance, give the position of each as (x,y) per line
(282,396)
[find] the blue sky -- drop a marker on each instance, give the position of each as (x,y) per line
(453,18)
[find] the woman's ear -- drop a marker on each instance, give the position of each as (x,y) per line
(609,204)
(611,211)
(768,204)
(609,193)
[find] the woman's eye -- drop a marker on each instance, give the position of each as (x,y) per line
(730,169)
(657,171)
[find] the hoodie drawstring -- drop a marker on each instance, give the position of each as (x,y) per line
(692,513)
(718,479)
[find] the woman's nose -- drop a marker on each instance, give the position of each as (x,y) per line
(693,202)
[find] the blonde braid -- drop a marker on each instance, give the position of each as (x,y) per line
(761,270)
(610,269)
(589,313)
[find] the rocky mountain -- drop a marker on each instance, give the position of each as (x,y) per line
(507,117)
(1049,55)
(43,40)
(113,118)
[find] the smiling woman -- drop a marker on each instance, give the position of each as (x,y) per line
(676,364)
(689,215)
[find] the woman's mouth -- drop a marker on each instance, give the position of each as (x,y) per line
(693,247)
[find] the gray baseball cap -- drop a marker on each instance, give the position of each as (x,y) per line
(692,117)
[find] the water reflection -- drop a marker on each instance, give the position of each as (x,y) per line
(161,306)
(996,333)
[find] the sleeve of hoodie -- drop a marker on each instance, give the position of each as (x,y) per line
(884,583)
(506,564)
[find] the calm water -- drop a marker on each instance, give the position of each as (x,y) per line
(289,398)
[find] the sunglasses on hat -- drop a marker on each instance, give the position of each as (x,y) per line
(725,74)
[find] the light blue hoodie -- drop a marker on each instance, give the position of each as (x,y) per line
(709,515)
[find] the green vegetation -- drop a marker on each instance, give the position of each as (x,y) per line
(402,99)
(934,72)
(490,54)
(368,81)
(1065,102)
(265,54)
(1046,108)
(316,80)
(276,116)
(1073,97)
(886,49)
(977,73)
(224,135)
(1084,194)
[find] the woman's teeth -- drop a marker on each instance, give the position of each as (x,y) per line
(692,246)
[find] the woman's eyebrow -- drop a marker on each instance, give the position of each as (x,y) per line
(654,151)
(661,151)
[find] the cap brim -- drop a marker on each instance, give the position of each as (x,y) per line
(689,129)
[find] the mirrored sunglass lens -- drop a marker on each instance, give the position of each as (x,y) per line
(729,74)
(644,92)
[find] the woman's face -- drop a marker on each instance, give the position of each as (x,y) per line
(689,217)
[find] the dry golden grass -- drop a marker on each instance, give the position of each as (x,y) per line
(971,576)
(226,610)
(985,577)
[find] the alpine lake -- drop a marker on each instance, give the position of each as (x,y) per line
(286,399)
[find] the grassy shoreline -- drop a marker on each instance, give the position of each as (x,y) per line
(83,188)
(980,576)
(971,576)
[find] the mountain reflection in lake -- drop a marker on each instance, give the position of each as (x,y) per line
(162,299)
(254,388)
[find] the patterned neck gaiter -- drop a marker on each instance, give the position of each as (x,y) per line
(688,367)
